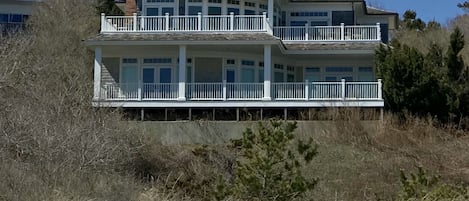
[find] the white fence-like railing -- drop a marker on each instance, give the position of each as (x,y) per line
(329,33)
(198,23)
(293,91)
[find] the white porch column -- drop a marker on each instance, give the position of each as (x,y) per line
(97,73)
(270,12)
(267,71)
(182,73)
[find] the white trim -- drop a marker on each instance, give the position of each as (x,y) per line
(225,104)
(98,61)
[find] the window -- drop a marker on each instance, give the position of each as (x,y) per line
(249,4)
(249,12)
(195,1)
(152,11)
(290,78)
(319,23)
(298,23)
(214,1)
(312,70)
(309,14)
(247,75)
(291,68)
(312,74)
(247,63)
(230,61)
(161,1)
(263,6)
(234,2)
(278,66)
(214,10)
(278,77)
(129,60)
(194,10)
(261,75)
(365,74)
(170,11)
(157,60)
(339,69)
(4,18)
(233,10)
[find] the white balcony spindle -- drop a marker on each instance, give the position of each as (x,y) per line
(380,89)
(199,21)
(166,15)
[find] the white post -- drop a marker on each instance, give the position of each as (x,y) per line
(167,21)
(103,24)
(342,31)
(267,71)
(232,21)
(97,73)
(135,21)
(224,89)
(378,32)
(380,89)
(306,89)
(306,31)
(270,11)
(182,72)
(199,21)
(265,21)
(343,89)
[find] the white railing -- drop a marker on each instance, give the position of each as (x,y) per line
(244,91)
(329,33)
(160,91)
(289,91)
(167,23)
(120,91)
(204,91)
(293,91)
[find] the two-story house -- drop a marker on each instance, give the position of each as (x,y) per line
(241,54)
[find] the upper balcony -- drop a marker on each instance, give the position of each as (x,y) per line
(238,23)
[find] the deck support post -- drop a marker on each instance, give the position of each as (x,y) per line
(213,114)
(270,12)
(166,114)
(342,31)
(97,73)
(142,114)
(182,73)
(237,114)
(134,16)
(190,114)
(262,114)
(378,31)
(285,114)
(381,114)
(267,71)
(343,89)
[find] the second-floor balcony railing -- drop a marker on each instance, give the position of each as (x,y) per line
(197,23)
(329,33)
(237,23)
(222,91)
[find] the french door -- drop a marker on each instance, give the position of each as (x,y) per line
(156,81)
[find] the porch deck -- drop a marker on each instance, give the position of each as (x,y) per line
(292,94)
(238,23)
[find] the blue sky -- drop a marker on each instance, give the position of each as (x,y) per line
(440,10)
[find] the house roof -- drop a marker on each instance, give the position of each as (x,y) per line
(180,37)
(378,11)
(333,46)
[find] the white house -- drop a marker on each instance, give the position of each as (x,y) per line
(241,54)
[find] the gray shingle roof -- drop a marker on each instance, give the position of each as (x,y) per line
(184,37)
(333,46)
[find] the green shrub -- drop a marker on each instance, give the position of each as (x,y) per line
(269,165)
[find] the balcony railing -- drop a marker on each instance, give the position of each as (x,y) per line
(198,23)
(328,33)
(237,23)
(291,91)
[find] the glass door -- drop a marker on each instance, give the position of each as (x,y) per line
(129,81)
